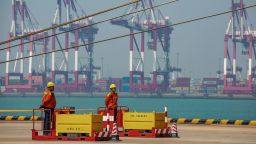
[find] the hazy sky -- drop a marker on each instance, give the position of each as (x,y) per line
(199,44)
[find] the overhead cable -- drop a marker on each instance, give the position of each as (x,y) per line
(126,35)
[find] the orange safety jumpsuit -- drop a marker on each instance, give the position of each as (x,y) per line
(111,100)
(48,100)
(48,103)
(111,103)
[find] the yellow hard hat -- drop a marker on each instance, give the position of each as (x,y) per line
(112,86)
(50,84)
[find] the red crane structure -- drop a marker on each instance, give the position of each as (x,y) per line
(239,33)
(22,80)
(72,67)
(150,19)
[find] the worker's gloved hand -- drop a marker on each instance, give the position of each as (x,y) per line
(41,106)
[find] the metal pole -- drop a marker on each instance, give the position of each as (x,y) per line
(53,54)
(250,60)
(142,57)
(234,62)
(31,45)
(154,61)
(131,60)
(225,60)
(14,18)
(8,51)
(76,58)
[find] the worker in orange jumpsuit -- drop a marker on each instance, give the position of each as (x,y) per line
(48,104)
(111,100)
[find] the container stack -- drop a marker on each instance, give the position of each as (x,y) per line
(36,80)
(101,85)
(2,84)
(70,80)
(58,81)
(82,81)
(1,81)
(126,83)
(209,85)
(14,80)
(220,86)
(195,84)
(182,85)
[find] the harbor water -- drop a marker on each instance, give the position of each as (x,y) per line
(231,109)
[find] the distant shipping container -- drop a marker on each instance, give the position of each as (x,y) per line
(210,82)
(182,92)
(183,88)
(195,82)
(208,90)
(209,85)
(146,80)
(25,81)
(14,81)
(58,81)
(70,80)
(183,79)
(2,81)
(195,88)
(101,85)
(126,88)
(127,80)
(182,85)
(220,82)
(210,79)
(2,88)
(82,81)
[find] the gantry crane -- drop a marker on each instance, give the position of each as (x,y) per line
(149,20)
(26,79)
(240,33)
(85,35)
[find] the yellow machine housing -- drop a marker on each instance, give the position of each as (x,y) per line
(143,120)
(78,123)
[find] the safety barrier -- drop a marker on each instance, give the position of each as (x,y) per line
(212,121)
(171,120)
(20,118)
(25,118)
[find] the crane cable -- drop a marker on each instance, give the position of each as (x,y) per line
(126,35)
(69,22)
(40,38)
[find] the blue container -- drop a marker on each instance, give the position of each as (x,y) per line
(14,81)
(220,82)
(58,81)
(126,80)
(25,81)
(126,88)
(208,90)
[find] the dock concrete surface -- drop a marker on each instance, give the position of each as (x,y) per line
(20,132)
